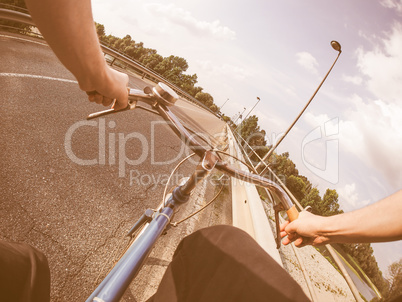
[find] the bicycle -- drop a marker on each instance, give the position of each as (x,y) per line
(154,222)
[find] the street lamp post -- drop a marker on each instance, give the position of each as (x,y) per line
(258,100)
(336,46)
(223,104)
(239,115)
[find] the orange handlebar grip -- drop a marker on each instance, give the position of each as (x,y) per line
(293,214)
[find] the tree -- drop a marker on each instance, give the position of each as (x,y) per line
(329,205)
(248,127)
(130,51)
(297,186)
(254,136)
(151,61)
(225,118)
(204,98)
(395,280)
(127,40)
(193,90)
(187,83)
(171,63)
(312,199)
(283,165)
(100,30)
(119,44)
(213,107)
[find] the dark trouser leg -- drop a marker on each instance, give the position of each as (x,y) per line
(223,263)
(24,274)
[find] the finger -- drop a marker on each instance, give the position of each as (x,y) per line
(286,241)
(291,227)
(91,95)
(107,101)
(284,225)
(299,242)
(98,98)
(91,98)
(293,237)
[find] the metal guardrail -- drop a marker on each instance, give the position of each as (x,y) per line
(15,16)
(21,17)
(122,57)
(15,8)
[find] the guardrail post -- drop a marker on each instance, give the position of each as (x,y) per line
(111,63)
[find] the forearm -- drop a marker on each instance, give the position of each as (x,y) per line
(376,223)
(69,29)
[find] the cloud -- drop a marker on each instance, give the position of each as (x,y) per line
(315,120)
(349,195)
(185,19)
(369,136)
(371,128)
(354,80)
(371,131)
(307,61)
(225,70)
(393,4)
(383,66)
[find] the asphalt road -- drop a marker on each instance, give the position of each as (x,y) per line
(70,188)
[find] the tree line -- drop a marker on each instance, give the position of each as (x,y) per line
(172,68)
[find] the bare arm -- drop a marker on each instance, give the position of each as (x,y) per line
(378,222)
(69,29)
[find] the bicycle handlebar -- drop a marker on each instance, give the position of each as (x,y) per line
(161,98)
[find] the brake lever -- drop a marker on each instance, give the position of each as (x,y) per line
(160,94)
(134,96)
(277,208)
(131,105)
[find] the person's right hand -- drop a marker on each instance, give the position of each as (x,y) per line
(109,88)
(306,229)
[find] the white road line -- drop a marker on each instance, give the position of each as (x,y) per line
(25,40)
(33,76)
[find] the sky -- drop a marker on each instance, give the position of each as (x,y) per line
(350,137)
